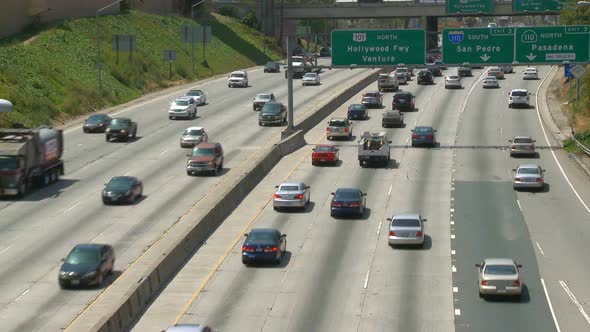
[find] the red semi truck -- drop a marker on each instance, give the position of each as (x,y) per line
(29,157)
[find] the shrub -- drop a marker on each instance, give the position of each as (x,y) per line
(228,11)
(251,21)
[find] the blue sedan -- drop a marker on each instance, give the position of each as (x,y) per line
(423,135)
(358,111)
(264,245)
(348,201)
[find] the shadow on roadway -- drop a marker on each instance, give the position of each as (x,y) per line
(37,194)
(128,140)
(365,216)
(545,189)
(284,262)
(109,280)
(222,172)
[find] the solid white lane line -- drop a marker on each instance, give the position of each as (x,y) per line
(575,300)
(389,192)
(6,249)
(407,140)
(379,229)
(519,206)
(23,294)
(540,249)
(367,278)
(72,207)
(550,306)
(553,152)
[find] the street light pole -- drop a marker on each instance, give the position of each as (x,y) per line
(193,8)
(98,44)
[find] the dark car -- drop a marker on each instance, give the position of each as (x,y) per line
(272,113)
(425,77)
(423,135)
(348,201)
(87,265)
(264,245)
(436,70)
(325,52)
(272,67)
(121,129)
(96,123)
(464,71)
(357,111)
(122,189)
(205,157)
(403,101)
(392,118)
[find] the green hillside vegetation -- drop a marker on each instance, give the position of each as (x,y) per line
(51,76)
(578,112)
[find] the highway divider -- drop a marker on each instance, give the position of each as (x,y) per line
(121,304)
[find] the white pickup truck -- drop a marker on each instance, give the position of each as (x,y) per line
(301,66)
(373,148)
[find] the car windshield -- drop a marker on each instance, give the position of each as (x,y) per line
(194,93)
(347,194)
(193,132)
(530,70)
(121,183)
(310,75)
(324,149)
(500,269)
(422,73)
(423,130)
(181,102)
(95,118)
(120,122)
(8,163)
(203,152)
(289,188)
(261,237)
(487,79)
(402,96)
(263,96)
(405,223)
(83,257)
(357,107)
(337,123)
(271,64)
(519,93)
(371,94)
(402,70)
(271,108)
(493,70)
(528,170)
(392,114)
(237,75)
(522,140)
(382,76)
(452,78)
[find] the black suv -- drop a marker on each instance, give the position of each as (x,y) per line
(434,69)
(272,113)
(403,101)
(272,67)
(425,77)
(465,71)
(121,128)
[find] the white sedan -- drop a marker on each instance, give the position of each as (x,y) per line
(530,73)
(199,96)
(453,81)
(490,82)
(310,79)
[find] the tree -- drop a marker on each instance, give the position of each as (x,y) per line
(470,21)
(251,20)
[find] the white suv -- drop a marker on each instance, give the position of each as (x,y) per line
(519,97)
(237,78)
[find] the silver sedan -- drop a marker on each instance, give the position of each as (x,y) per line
(529,176)
(522,145)
(291,194)
(193,136)
(499,276)
(406,229)
(490,82)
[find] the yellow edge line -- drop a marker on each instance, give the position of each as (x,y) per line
(235,241)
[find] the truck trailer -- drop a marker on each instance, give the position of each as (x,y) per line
(28,158)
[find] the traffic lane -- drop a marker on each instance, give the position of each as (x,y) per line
(491,230)
(308,311)
(138,228)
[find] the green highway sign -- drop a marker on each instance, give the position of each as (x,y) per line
(553,44)
(374,48)
(519,6)
(478,45)
(470,6)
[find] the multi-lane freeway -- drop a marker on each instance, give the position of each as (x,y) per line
(40,229)
(342,275)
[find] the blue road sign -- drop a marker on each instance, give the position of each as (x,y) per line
(567,70)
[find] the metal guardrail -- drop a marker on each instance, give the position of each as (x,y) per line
(581,146)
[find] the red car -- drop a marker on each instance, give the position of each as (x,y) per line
(325,153)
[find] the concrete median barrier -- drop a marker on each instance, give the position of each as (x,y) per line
(123,302)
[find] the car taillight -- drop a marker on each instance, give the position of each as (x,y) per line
(247,249)
(346,130)
(277,196)
(331,155)
(271,249)
(513,147)
(516,283)
(533,146)
(429,136)
(364,94)
(419,233)
(415,136)
(391,233)
(538,180)
(328,129)
(300,196)
(516,179)
(354,204)
(484,282)
(336,204)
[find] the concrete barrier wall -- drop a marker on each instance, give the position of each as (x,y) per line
(117,308)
